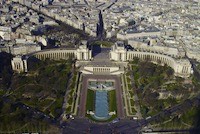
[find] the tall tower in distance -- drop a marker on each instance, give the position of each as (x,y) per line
(100,27)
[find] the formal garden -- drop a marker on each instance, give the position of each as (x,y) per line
(128,95)
(42,88)
(91,102)
(157,88)
(72,95)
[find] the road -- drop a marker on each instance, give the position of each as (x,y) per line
(80,125)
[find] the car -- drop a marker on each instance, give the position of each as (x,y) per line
(148,130)
(71,117)
(135,117)
(149,117)
(115,120)
(63,126)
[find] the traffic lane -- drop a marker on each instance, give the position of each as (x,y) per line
(83,98)
(119,97)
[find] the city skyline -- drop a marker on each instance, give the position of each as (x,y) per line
(103,66)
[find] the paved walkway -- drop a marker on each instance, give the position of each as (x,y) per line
(64,106)
(103,55)
(135,98)
(125,95)
(78,95)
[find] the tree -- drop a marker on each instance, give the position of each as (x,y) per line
(144,110)
(6,77)
(135,60)
(5,69)
(169,72)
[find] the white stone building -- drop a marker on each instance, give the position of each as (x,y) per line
(182,67)
(19,63)
(118,58)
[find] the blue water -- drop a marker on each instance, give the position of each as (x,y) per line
(101,105)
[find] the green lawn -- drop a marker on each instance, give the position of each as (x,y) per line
(129,86)
(198,66)
(90,100)
(133,111)
(131,93)
(132,102)
(112,101)
(128,79)
(68,110)
(70,100)
(103,43)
